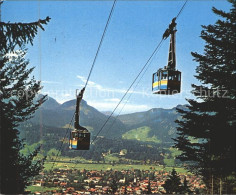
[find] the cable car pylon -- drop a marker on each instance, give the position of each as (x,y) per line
(167,80)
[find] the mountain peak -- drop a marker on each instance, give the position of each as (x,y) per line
(49,104)
(71,104)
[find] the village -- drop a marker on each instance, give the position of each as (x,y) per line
(69,181)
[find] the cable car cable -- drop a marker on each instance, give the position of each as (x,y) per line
(132,93)
(181,9)
(101,41)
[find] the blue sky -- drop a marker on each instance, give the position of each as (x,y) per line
(63,53)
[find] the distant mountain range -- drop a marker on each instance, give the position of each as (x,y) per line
(155,125)
(53,114)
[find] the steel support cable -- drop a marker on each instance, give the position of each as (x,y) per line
(132,93)
(133,82)
(101,41)
(182,8)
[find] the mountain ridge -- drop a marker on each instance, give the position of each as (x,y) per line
(159,121)
(60,115)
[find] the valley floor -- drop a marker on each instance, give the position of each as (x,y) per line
(102,166)
(98,178)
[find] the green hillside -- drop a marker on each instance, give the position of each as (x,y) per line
(141,134)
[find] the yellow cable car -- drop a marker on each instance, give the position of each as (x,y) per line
(80,140)
(167,80)
(80,136)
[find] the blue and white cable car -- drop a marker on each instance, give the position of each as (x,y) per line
(167,80)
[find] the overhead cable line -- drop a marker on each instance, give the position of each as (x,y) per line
(182,8)
(132,93)
(101,41)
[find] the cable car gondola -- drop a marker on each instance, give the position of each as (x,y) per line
(80,136)
(167,80)
(80,139)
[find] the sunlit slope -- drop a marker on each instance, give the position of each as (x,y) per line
(141,134)
(156,125)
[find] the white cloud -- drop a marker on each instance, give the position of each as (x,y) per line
(83,79)
(98,87)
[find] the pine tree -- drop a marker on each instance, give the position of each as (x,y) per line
(17,94)
(173,184)
(206,132)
